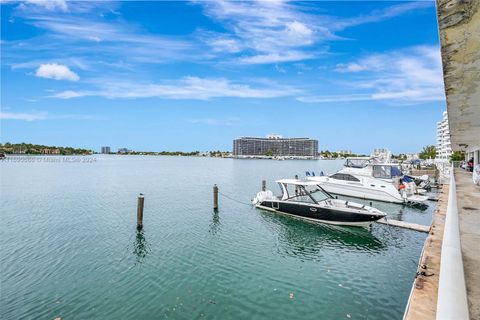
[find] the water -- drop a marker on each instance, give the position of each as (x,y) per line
(70,248)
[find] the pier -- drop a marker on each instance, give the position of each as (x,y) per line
(405,225)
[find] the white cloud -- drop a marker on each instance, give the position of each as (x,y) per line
(57,72)
(191,88)
(68,94)
(409,75)
(23,116)
(351,67)
(275,57)
(36,116)
(50,4)
(264,30)
(46,4)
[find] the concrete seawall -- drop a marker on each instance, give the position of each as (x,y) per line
(423,298)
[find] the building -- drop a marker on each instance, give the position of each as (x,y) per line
(453,293)
(444,148)
(344,152)
(106,150)
(382,153)
(275,145)
(412,156)
(124,150)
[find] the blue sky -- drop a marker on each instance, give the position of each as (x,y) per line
(194,75)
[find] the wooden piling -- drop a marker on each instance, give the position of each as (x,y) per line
(140,211)
(264,185)
(215,197)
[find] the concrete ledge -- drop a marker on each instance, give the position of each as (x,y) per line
(422,303)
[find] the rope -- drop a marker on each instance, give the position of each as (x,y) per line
(235,200)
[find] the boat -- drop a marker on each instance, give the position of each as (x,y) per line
(307,200)
(365,178)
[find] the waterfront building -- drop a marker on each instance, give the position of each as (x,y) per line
(275,145)
(382,153)
(453,292)
(444,148)
(106,150)
(123,150)
(412,156)
(344,152)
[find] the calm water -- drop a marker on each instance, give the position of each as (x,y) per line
(69,246)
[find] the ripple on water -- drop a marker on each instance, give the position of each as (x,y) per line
(70,248)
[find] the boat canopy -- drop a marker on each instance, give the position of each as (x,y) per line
(302,191)
(386,171)
(357,162)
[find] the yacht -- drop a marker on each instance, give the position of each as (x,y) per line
(367,178)
(307,200)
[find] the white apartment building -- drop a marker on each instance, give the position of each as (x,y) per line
(444,147)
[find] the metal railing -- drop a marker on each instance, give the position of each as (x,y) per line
(452,295)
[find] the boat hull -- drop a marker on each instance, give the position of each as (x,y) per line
(319,214)
(373,191)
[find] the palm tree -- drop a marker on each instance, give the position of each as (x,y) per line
(428,152)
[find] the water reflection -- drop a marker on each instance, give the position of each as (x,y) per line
(306,240)
(141,247)
(215,224)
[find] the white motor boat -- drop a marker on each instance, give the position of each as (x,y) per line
(307,200)
(364,178)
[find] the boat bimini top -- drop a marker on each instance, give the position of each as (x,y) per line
(302,188)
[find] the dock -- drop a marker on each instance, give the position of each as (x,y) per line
(405,225)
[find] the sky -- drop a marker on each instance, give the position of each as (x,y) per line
(194,75)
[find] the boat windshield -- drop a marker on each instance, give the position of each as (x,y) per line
(318,194)
(306,193)
(356,163)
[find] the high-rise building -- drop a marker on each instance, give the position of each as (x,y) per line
(444,147)
(382,154)
(106,150)
(124,150)
(275,145)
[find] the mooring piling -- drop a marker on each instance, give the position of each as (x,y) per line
(215,197)
(264,185)
(140,211)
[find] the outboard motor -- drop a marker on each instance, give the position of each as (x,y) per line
(262,196)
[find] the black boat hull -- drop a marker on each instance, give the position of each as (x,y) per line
(320,214)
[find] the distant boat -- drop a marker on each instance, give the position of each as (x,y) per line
(307,200)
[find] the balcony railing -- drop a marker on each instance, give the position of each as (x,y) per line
(452,294)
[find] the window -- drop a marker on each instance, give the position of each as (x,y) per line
(343,176)
(386,172)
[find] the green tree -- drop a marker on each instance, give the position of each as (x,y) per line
(428,152)
(457,156)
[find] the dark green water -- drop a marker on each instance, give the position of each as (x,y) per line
(69,246)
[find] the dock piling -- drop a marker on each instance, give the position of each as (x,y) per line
(215,197)
(264,185)
(140,211)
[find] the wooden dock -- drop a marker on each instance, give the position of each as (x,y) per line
(404,224)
